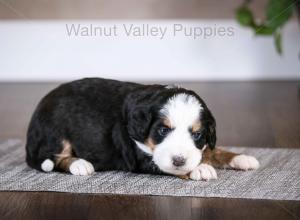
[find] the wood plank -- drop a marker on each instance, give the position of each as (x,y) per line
(45,205)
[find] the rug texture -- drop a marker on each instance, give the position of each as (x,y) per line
(278,178)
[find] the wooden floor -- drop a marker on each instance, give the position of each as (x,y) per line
(256,114)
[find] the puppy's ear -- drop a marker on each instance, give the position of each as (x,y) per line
(123,143)
(139,110)
(138,122)
(210,126)
(137,113)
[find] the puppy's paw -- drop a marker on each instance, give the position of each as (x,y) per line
(244,162)
(81,167)
(47,165)
(203,172)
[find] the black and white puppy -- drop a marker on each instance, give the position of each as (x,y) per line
(98,125)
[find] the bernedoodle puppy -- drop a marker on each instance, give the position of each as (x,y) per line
(98,124)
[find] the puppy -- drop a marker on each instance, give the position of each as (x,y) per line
(98,124)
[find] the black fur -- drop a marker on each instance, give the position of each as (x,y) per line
(101,118)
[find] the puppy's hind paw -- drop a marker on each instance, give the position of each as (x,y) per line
(47,165)
(81,167)
(203,172)
(244,162)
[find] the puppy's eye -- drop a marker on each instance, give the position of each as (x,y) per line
(163,131)
(196,135)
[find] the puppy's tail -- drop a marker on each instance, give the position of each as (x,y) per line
(33,160)
(37,153)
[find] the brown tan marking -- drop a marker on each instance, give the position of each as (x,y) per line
(66,157)
(167,123)
(218,157)
(184,177)
(150,143)
(196,126)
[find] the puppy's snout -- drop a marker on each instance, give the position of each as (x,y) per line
(178,161)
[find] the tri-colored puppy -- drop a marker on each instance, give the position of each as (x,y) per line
(98,124)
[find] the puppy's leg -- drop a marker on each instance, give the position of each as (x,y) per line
(203,172)
(220,158)
(67,162)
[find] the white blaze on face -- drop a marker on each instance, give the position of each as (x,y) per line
(182,111)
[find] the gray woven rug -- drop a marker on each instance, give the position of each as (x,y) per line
(278,178)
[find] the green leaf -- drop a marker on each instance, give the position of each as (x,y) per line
(244,16)
(278,12)
(278,42)
(264,30)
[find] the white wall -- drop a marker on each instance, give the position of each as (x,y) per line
(42,51)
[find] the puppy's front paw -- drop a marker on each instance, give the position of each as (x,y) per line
(203,172)
(244,162)
(81,167)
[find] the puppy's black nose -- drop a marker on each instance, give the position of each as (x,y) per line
(178,161)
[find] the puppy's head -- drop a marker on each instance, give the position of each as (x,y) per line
(172,125)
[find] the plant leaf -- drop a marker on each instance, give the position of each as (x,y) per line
(278,12)
(244,16)
(264,30)
(278,42)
